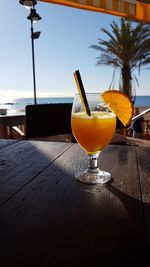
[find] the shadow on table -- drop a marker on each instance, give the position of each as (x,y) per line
(52,220)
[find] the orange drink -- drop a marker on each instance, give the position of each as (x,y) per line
(93,132)
(93,122)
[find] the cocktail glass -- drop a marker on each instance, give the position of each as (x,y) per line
(93,133)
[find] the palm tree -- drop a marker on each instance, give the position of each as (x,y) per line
(126,49)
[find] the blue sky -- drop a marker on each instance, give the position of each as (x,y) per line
(63,47)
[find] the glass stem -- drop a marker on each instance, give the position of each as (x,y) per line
(93,161)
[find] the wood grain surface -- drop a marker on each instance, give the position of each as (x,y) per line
(50,219)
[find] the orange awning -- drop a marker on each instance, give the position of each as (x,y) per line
(132,9)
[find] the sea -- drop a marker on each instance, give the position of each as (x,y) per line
(17,106)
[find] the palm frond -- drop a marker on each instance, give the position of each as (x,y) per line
(126,47)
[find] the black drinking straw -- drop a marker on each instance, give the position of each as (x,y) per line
(82,92)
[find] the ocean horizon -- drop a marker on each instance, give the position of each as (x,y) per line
(17,105)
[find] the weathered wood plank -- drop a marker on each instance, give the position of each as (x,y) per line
(143,156)
(6,142)
(55,220)
(22,161)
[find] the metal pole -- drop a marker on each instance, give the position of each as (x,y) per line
(33,62)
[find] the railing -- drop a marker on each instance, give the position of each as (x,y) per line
(147,129)
(7,121)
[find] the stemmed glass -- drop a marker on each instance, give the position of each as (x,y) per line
(93,133)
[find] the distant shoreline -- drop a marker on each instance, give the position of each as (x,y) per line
(17,106)
(22,112)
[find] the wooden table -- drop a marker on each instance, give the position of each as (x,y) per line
(47,218)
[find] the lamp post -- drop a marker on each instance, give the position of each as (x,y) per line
(33,17)
(28,3)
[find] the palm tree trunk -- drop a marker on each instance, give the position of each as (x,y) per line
(126,81)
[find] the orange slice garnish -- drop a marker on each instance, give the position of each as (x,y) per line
(120,104)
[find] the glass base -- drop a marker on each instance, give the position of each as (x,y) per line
(95,176)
